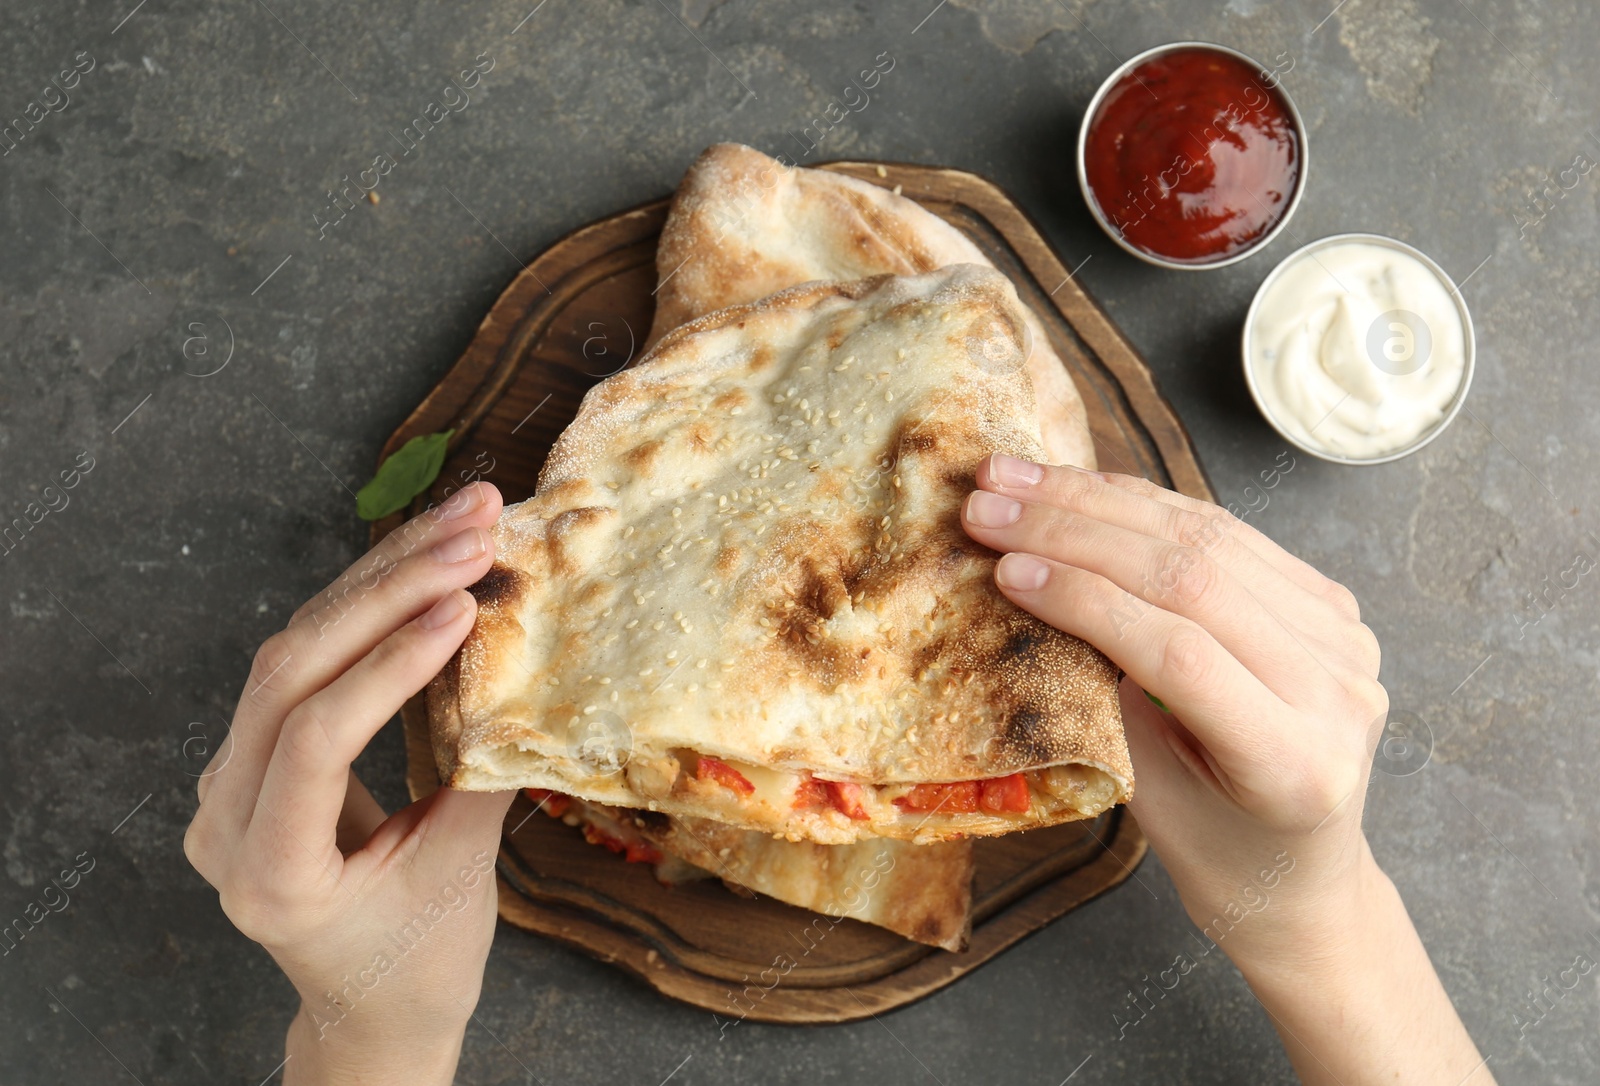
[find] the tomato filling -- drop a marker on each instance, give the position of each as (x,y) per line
(995,795)
(812,793)
(635,852)
(958,797)
(715,769)
(555,803)
(848,798)
(1004,794)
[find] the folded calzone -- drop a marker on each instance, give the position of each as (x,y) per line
(742,591)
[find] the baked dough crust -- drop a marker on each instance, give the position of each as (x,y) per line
(743,226)
(748,547)
(923,892)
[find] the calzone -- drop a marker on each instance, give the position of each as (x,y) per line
(742,592)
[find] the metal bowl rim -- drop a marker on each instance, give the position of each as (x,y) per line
(1151,258)
(1469,346)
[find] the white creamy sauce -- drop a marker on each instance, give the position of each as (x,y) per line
(1357,349)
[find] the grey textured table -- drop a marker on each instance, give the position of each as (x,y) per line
(167,210)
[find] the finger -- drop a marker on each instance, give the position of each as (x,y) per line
(1200,525)
(1294,569)
(443,828)
(1326,634)
(1179,579)
(466,821)
(359,818)
(1173,777)
(304,785)
(394,830)
(478,504)
(1332,621)
(298,661)
(1227,708)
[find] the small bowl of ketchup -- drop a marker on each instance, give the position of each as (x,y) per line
(1192,156)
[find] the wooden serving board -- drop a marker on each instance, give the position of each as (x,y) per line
(576,314)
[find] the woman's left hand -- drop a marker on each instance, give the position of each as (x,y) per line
(382,924)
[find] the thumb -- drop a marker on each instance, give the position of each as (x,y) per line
(467,821)
(1167,791)
(460,830)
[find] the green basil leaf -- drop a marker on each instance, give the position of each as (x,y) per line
(412,468)
(1157,702)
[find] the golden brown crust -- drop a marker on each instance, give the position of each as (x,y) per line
(923,892)
(783,580)
(743,225)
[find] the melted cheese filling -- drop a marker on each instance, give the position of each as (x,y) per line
(1078,787)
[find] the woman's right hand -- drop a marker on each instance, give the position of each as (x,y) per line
(1251,770)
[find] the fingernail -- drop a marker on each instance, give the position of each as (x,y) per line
(444,612)
(1022,572)
(988,510)
(461,547)
(1009,471)
(461,503)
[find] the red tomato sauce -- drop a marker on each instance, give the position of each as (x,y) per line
(1192,157)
